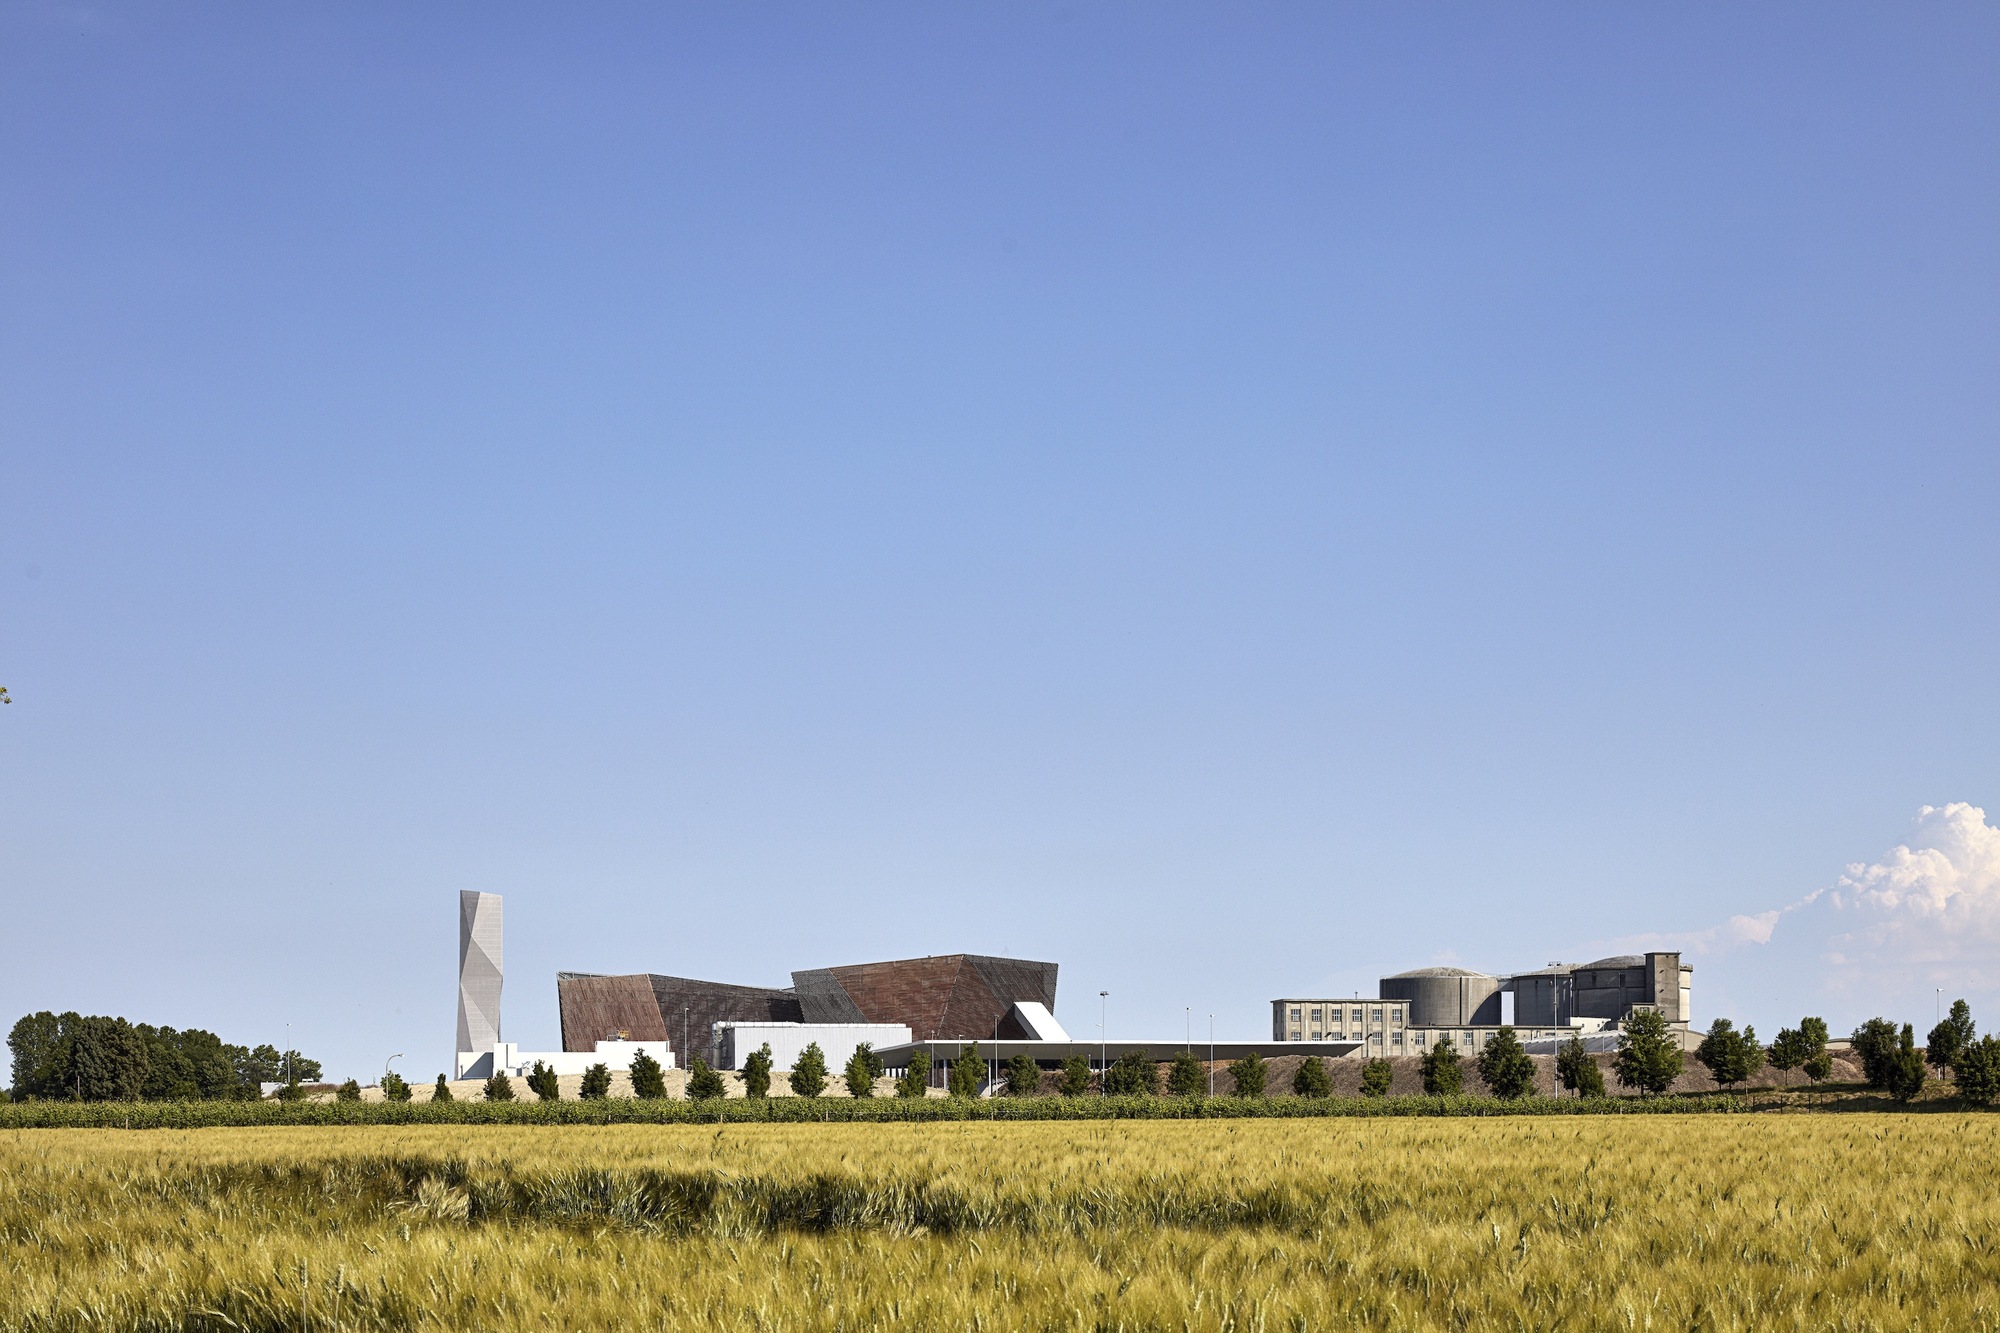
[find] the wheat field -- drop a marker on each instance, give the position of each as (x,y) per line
(1856,1221)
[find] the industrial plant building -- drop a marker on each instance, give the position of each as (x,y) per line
(1413,1012)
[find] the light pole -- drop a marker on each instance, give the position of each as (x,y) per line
(386,1063)
(1103,1044)
(1211,1055)
(684,1036)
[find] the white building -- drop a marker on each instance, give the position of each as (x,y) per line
(788,1041)
(507,1058)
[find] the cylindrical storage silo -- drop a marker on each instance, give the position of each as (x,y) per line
(1446,997)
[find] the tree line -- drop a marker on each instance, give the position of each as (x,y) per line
(92,1058)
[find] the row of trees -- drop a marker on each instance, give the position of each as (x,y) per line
(1892,1061)
(89,1057)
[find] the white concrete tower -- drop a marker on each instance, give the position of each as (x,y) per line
(478,975)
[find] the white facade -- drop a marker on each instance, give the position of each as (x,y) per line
(509,1059)
(788,1041)
(479,974)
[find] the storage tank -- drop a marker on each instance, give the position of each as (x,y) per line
(1545,998)
(1443,997)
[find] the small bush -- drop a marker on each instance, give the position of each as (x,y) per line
(704,1084)
(1312,1080)
(1024,1076)
(349,1091)
(394,1089)
(809,1073)
(1186,1077)
(1249,1074)
(1577,1070)
(442,1092)
(915,1080)
(757,1072)
(1074,1081)
(542,1081)
(499,1088)
(649,1081)
(596,1083)
(966,1072)
(1133,1074)
(1444,1076)
(863,1068)
(1376,1076)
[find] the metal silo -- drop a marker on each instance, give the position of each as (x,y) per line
(1443,997)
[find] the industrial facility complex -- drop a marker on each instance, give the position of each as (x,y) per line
(945,1003)
(1413,1012)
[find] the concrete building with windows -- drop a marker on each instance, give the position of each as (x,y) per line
(1412,1012)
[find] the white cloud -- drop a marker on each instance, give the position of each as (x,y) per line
(1933,902)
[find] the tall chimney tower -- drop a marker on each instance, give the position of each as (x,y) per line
(478,975)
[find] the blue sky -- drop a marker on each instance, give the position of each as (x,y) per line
(1237,501)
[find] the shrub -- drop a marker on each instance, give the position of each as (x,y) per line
(1508,1070)
(1444,1076)
(704,1084)
(1577,1069)
(757,1072)
(1312,1080)
(542,1081)
(1133,1074)
(863,1068)
(963,1079)
(915,1080)
(1819,1066)
(1906,1068)
(442,1092)
(1024,1076)
(349,1091)
(1186,1077)
(648,1080)
(499,1088)
(1728,1055)
(394,1089)
(1074,1081)
(1376,1076)
(1249,1074)
(596,1083)
(1977,1071)
(1648,1058)
(1941,1048)
(1875,1046)
(809,1072)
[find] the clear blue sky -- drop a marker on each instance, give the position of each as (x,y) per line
(1234,499)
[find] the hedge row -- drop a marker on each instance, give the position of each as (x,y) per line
(799,1110)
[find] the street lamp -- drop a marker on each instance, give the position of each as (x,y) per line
(1103,1044)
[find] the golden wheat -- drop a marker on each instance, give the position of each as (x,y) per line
(1750,1222)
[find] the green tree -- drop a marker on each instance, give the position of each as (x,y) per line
(915,1080)
(1074,1081)
(1942,1046)
(349,1091)
(1906,1068)
(704,1084)
(1875,1045)
(1024,1076)
(809,1072)
(1376,1076)
(394,1089)
(1977,1072)
(1249,1075)
(33,1043)
(499,1088)
(1312,1079)
(863,1068)
(596,1083)
(757,1072)
(1577,1071)
(442,1092)
(963,1078)
(542,1081)
(1443,1075)
(1509,1071)
(1728,1055)
(1819,1066)
(1648,1057)
(649,1081)
(1133,1074)
(1789,1051)
(1185,1076)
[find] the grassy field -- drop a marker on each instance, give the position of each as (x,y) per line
(1858,1221)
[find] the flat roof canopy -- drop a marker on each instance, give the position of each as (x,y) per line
(1055,1052)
